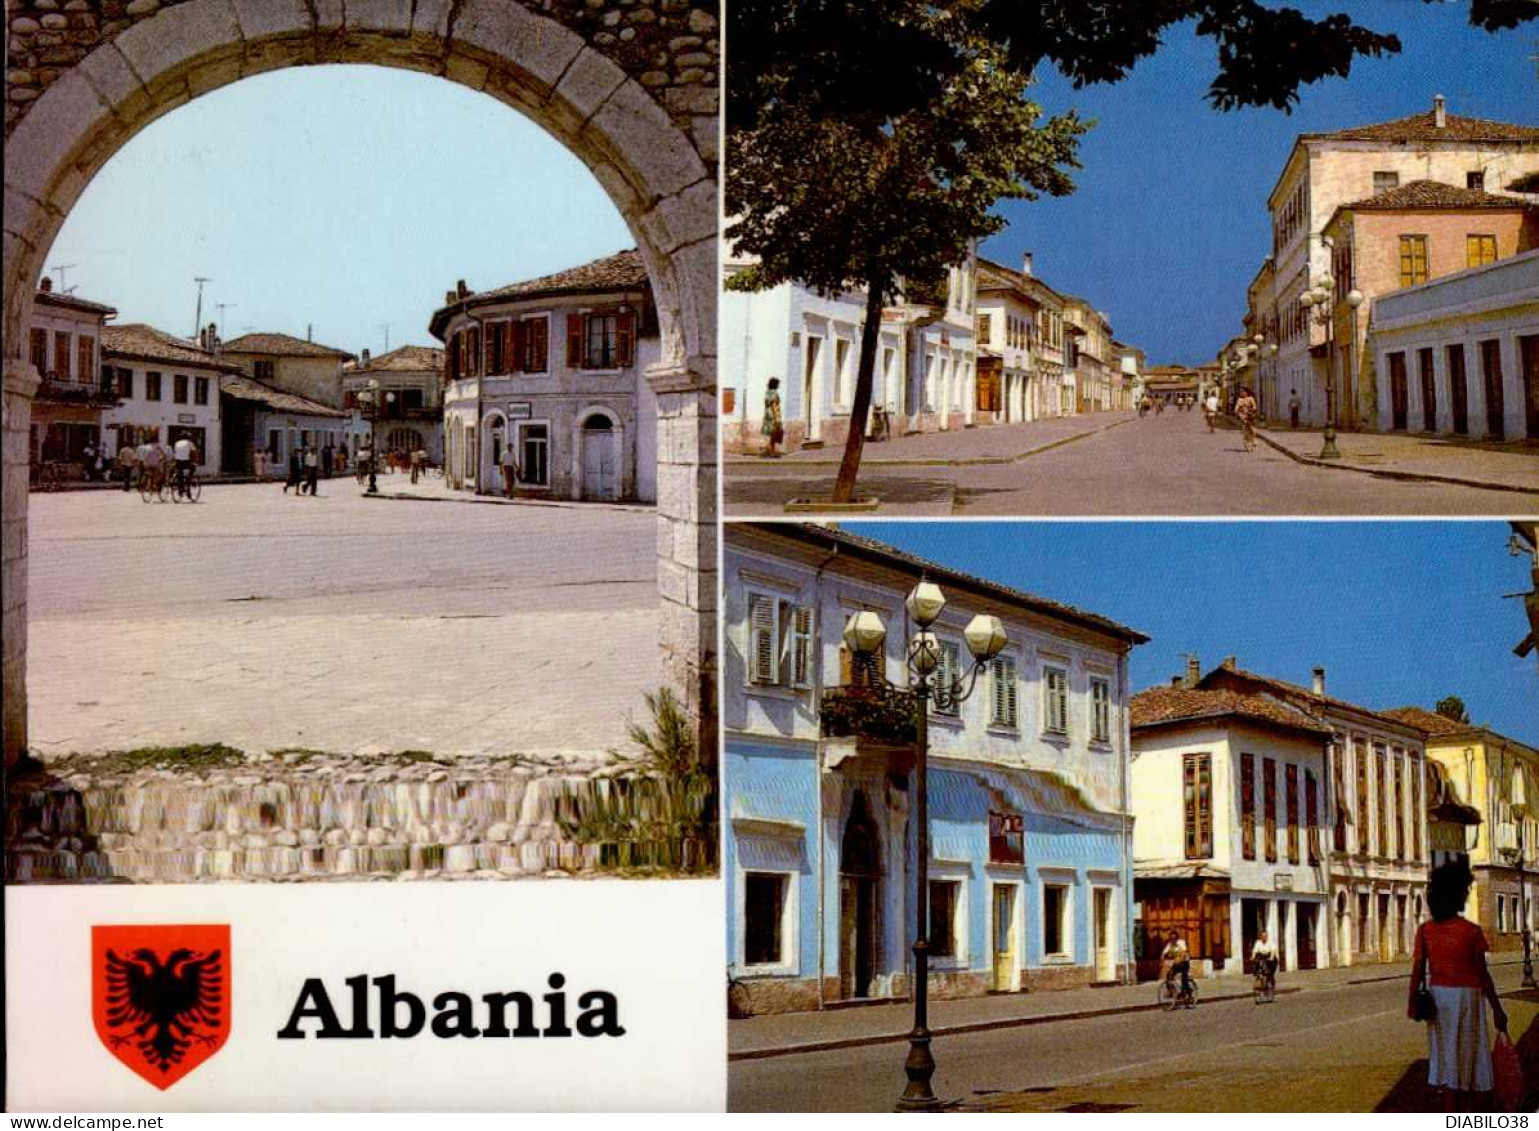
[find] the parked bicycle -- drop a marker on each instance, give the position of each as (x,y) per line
(46,476)
(881,425)
(1175,992)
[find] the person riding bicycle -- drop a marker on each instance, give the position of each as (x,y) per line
(183,449)
(1263,960)
(152,459)
(1245,408)
(1177,961)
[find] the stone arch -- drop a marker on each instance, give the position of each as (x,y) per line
(565,71)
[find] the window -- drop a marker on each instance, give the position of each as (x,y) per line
(534,454)
(603,335)
(1399,806)
(1413,260)
(125,382)
(1269,800)
(945,898)
(179,388)
(1416,809)
(200,390)
(1291,784)
(780,642)
(1380,776)
(1338,798)
(1056,934)
(152,386)
(841,371)
(1100,710)
(1197,791)
(947,672)
(985,327)
(1480,250)
(1002,692)
(38,350)
(1055,701)
(1475,181)
(1312,816)
(1007,838)
(533,337)
(496,347)
(764,906)
(61,355)
(85,358)
(1248,806)
(1384,181)
(263,370)
(1364,800)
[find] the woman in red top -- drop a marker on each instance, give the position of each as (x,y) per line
(1451,953)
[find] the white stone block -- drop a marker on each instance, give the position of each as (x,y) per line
(528,44)
(650,149)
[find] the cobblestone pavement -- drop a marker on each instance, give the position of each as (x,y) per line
(1168,464)
(263,620)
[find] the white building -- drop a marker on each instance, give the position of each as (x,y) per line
(555,367)
(1229,840)
(1376,806)
(923,376)
(64,346)
(1461,353)
(1020,377)
(411,380)
(1030,881)
(168,390)
(290,399)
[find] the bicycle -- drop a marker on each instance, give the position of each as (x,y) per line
(1250,435)
(1172,996)
(152,484)
(190,489)
(881,427)
(1265,986)
(47,477)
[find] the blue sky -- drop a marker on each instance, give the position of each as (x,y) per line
(1169,222)
(1397,612)
(343,196)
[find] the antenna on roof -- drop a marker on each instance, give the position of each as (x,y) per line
(197,322)
(61,268)
(385,326)
(222,307)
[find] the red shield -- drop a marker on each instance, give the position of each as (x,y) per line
(160,996)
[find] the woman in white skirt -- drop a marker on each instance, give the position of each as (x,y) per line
(1450,955)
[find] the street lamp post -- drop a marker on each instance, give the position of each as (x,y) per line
(372,399)
(1317,300)
(864,635)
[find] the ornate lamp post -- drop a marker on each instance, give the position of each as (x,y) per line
(1317,302)
(1514,850)
(373,403)
(864,634)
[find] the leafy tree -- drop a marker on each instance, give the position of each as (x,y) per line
(867,141)
(1452,707)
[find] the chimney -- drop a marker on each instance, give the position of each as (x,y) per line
(309,331)
(365,363)
(1193,670)
(46,286)
(1026,264)
(1439,111)
(1320,682)
(449,297)
(1229,663)
(1178,681)
(461,290)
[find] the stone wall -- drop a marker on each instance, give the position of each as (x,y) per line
(20,384)
(298,817)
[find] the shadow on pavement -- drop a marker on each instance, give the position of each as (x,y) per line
(1411,1093)
(748,494)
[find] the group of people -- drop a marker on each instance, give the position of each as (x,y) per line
(304,470)
(1183,402)
(154,458)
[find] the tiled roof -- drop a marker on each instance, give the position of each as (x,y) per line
(138,340)
(249,389)
(406,359)
(1424,127)
(55,298)
(1429,721)
(997,277)
(944,574)
(283,345)
(622,271)
(1157,706)
(1433,194)
(1283,687)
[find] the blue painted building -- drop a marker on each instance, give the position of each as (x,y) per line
(1030,844)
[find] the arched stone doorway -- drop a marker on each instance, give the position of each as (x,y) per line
(494,440)
(860,906)
(599,458)
(570,71)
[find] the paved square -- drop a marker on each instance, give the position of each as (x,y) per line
(338,623)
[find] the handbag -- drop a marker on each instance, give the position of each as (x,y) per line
(1425,1007)
(1506,1073)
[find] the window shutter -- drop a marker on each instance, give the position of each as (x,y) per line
(761,639)
(490,349)
(1010,692)
(625,339)
(801,656)
(516,331)
(574,359)
(541,328)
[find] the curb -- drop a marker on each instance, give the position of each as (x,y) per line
(402,496)
(974,461)
(1383,473)
(981,1026)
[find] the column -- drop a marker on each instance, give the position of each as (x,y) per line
(1237,956)
(21,383)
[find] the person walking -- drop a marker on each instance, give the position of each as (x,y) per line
(416,464)
(1294,406)
(295,472)
(312,469)
(509,471)
(772,426)
(1210,409)
(1450,984)
(128,463)
(328,460)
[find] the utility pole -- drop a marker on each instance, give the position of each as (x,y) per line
(61,268)
(197,322)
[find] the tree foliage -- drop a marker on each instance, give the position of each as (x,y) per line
(1452,707)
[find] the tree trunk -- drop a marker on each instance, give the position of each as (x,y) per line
(849,467)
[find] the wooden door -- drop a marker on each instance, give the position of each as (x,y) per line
(1428,391)
(1304,918)
(1105,954)
(1398,393)
(1458,390)
(1004,937)
(600,462)
(857,938)
(1528,358)
(1491,370)
(1386,951)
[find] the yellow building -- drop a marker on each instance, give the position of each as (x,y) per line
(1496,775)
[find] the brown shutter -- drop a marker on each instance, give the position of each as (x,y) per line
(517,331)
(490,349)
(541,329)
(574,341)
(625,333)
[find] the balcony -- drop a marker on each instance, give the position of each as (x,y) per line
(60,389)
(876,714)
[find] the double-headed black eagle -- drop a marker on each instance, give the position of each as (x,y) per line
(166,1004)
